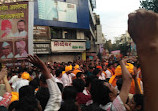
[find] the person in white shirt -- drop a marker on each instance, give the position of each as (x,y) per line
(105,96)
(21,25)
(67,76)
(14,79)
(58,77)
(98,72)
(23,81)
(108,74)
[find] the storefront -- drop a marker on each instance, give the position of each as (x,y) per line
(65,50)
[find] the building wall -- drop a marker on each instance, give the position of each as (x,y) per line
(82,14)
(99,34)
(86,23)
(61,57)
(80,34)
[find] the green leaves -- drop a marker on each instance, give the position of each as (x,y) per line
(150,5)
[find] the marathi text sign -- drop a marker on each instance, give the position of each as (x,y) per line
(14,30)
(41,33)
(41,48)
(64,46)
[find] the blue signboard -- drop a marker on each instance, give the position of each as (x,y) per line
(59,13)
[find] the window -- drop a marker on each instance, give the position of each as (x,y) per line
(70,34)
(56,33)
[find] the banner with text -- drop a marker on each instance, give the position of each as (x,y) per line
(41,48)
(67,46)
(14,30)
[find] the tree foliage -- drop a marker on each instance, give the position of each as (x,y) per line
(124,48)
(150,5)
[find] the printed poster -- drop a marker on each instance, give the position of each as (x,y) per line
(14,30)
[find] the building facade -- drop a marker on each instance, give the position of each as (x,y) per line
(73,38)
(64,30)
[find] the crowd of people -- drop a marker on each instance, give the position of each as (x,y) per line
(90,85)
(114,84)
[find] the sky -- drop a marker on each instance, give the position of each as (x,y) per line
(114,16)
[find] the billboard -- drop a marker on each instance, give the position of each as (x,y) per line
(14,30)
(59,13)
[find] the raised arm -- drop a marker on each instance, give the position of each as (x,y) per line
(7,96)
(2,74)
(55,98)
(127,78)
(40,64)
(137,88)
(143,28)
(7,85)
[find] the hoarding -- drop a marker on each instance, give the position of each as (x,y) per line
(14,30)
(59,13)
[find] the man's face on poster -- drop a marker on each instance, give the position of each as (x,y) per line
(6,50)
(20,50)
(21,26)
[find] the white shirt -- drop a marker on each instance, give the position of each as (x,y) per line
(67,79)
(20,34)
(59,80)
(24,54)
(141,85)
(13,79)
(55,98)
(108,74)
(85,91)
(116,105)
(102,76)
(20,83)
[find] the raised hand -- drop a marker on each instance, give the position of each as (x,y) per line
(36,61)
(40,64)
(143,28)
(142,23)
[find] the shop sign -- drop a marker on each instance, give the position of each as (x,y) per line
(41,33)
(41,48)
(65,46)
